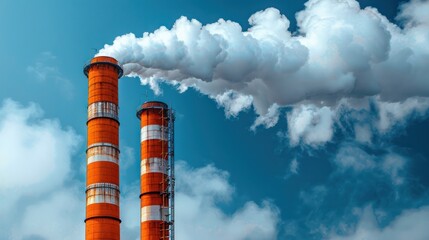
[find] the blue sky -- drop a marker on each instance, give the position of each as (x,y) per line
(326,142)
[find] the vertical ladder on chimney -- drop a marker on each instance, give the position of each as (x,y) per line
(172,179)
(167,185)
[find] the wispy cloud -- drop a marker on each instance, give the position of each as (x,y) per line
(293,169)
(315,196)
(410,224)
(45,70)
(352,159)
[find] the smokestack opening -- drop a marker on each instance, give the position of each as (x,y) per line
(150,105)
(104,60)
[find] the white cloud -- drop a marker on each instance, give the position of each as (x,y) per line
(410,224)
(60,215)
(394,165)
(310,125)
(294,166)
(130,211)
(363,133)
(415,13)
(293,169)
(35,169)
(268,120)
(370,118)
(199,193)
(127,157)
(352,157)
(391,114)
(233,102)
(42,71)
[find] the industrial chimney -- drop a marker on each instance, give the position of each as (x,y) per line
(157,171)
(102,180)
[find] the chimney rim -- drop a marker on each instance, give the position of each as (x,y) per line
(98,60)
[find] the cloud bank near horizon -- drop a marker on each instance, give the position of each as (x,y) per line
(342,56)
(36,188)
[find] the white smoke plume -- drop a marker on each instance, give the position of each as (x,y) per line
(340,53)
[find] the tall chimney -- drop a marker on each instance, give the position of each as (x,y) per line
(157,171)
(102,179)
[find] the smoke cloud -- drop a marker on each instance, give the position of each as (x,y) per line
(341,53)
